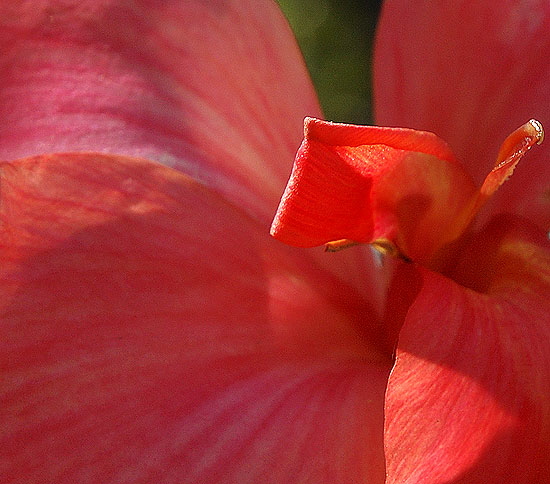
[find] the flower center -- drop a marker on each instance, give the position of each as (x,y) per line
(401,190)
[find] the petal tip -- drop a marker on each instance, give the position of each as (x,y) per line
(311,126)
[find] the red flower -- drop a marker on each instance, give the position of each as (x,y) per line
(152,331)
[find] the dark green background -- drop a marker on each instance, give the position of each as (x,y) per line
(336,39)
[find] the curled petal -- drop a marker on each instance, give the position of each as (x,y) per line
(151,332)
(391,186)
(468,400)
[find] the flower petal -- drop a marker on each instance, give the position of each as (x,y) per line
(471,72)
(217,89)
(151,332)
(468,400)
(376,185)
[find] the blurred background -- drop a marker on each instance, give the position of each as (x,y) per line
(336,38)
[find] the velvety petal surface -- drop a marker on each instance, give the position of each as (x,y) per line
(471,72)
(152,332)
(217,88)
(468,400)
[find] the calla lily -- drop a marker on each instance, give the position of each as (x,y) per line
(152,331)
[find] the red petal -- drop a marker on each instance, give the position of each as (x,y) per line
(371,184)
(216,89)
(151,332)
(468,400)
(470,72)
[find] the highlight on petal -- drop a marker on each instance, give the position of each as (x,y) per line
(152,332)
(391,186)
(216,89)
(467,400)
(470,72)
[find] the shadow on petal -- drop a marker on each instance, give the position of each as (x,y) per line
(142,340)
(469,389)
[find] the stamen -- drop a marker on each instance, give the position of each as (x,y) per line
(387,247)
(512,150)
(520,141)
(337,245)
(539,129)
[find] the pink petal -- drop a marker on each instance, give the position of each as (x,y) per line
(151,332)
(471,72)
(468,399)
(216,89)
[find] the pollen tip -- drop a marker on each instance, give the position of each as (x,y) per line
(537,125)
(337,245)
